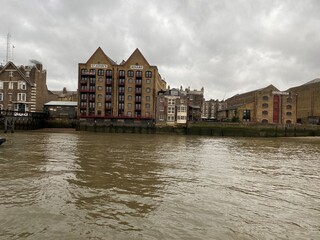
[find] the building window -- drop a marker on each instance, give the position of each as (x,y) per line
(11,85)
(138,106)
(289,107)
(129,97)
(21,85)
(108,105)
(129,114)
(171,110)
(92,71)
(138,73)
(289,113)
(100,72)
(121,89)
(100,79)
(130,80)
(83,96)
(148,90)
(148,81)
(109,81)
(288,122)
(10,74)
(289,100)
(170,118)
(130,73)
(171,101)
(99,96)
(265,105)
(1,85)
(108,89)
(264,121)
(1,106)
(1,96)
(99,88)
(22,97)
(10,96)
(147,106)
(147,98)
(122,73)
(265,113)
(129,105)
(129,89)
(265,98)
(121,98)
(109,72)
(148,74)
(99,104)
(108,97)
(246,115)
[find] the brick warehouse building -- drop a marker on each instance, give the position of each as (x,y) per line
(108,90)
(265,105)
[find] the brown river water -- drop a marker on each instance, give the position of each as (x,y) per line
(80,185)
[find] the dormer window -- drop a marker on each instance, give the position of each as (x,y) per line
(10,74)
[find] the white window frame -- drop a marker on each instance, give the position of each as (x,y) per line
(1,96)
(22,85)
(10,85)
(1,85)
(21,97)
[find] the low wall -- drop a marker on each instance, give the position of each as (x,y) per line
(219,130)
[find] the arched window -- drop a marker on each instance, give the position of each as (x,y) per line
(265,113)
(289,113)
(264,121)
(265,105)
(265,98)
(148,74)
(289,107)
(288,122)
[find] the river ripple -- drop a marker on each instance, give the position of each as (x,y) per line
(81,185)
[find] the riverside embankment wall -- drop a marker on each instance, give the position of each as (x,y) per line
(219,130)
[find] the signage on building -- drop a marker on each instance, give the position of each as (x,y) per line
(279,93)
(98,65)
(136,67)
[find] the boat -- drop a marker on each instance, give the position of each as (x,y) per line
(2,140)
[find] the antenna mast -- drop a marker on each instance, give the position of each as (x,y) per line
(8,47)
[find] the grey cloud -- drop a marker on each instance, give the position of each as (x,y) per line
(227,47)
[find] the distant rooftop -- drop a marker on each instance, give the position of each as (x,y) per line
(317,80)
(61,103)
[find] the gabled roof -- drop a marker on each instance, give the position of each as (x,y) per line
(17,69)
(254,91)
(99,50)
(137,53)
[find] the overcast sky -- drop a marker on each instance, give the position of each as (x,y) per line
(225,46)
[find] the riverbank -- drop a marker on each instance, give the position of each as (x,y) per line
(219,130)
